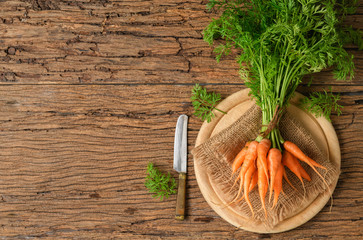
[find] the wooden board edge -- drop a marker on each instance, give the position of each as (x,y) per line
(304,215)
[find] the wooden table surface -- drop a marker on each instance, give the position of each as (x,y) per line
(90,93)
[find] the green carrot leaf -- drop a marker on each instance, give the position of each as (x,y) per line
(162,185)
(204,103)
(322,104)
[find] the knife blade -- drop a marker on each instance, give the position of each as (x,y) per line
(180,163)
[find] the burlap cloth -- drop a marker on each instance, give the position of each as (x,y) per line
(216,154)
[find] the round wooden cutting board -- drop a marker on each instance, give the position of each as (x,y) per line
(321,130)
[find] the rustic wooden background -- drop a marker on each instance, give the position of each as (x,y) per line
(90,91)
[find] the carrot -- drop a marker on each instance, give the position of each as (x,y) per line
(274,161)
(252,185)
(278,184)
(247,182)
(262,184)
(304,174)
(262,150)
(253,181)
(250,159)
(287,180)
(238,160)
(295,150)
(293,164)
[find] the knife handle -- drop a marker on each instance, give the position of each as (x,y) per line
(180,201)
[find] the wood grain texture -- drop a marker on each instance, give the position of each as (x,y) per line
(90,92)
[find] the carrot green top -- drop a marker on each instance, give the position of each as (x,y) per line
(280,41)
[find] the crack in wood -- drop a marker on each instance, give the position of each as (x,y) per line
(132,115)
(141,34)
(76,39)
(180,53)
(8,77)
(40,5)
(44,192)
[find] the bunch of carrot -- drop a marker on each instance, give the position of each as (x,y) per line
(261,165)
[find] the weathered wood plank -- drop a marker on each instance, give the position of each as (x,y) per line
(74,157)
(65,42)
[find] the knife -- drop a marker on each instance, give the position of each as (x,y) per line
(180,163)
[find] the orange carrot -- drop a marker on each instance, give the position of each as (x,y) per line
(287,180)
(262,184)
(274,161)
(293,164)
(253,181)
(278,184)
(247,182)
(295,150)
(304,174)
(252,185)
(262,150)
(250,159)
(238,160)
